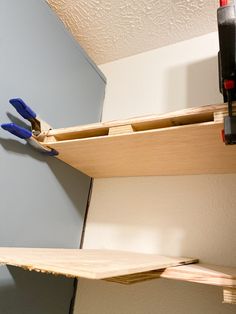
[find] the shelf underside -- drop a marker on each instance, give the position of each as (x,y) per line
(180,143)
(120,267)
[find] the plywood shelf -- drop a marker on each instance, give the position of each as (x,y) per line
(90,264)
(180,143)
(120,267)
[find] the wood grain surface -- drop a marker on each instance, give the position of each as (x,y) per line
(229,295)
(180,143)
(91,264)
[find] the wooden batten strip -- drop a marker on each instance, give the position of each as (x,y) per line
(229,295)
(123,129)
(135,278)
(219,115)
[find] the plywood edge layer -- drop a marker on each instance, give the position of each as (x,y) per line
(229,295)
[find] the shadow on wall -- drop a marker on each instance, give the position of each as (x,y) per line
(68,178)
(150,297)
(191,85)
(30,288)
(27,285)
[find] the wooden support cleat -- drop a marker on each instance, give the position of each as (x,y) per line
(229,295)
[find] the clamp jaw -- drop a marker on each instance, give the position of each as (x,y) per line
(33,136)
(226,18)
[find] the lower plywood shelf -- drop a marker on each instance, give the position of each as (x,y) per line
(180,143)
(90,264)
(120,267)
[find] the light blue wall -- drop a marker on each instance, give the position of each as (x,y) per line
(43,200)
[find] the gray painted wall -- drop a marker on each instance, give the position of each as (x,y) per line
(43,201)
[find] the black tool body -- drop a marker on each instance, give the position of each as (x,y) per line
(226,18)
(227,41)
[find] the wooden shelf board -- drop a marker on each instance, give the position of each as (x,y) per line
(181,143)
(120,267)
(90,264)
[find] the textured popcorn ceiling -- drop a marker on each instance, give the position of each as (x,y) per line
(110,30)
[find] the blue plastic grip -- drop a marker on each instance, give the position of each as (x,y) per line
(21,107)
(52,153)
(17,130)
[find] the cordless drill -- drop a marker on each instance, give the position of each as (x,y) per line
(226,18)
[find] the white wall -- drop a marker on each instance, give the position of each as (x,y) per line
(181,216)
(170,78)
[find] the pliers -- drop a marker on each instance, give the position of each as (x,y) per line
(37,127)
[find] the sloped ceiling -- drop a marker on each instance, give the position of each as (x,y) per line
(109,30)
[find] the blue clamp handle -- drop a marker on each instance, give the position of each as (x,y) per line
(24,110)
(17,130)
